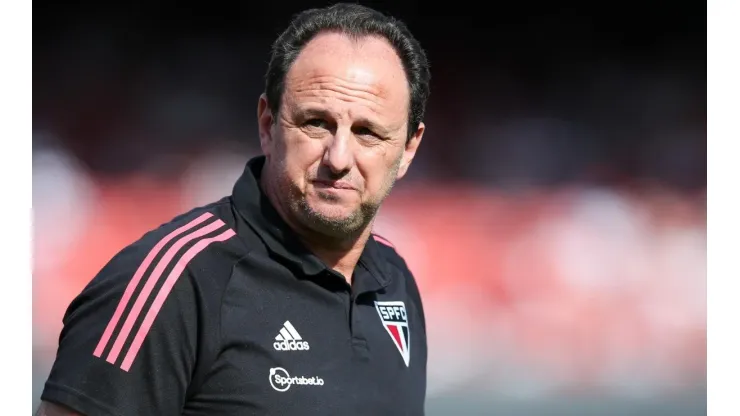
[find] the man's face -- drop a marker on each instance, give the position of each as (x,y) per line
(339,142)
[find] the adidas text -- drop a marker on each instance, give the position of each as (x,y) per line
(288,339)
(291,345)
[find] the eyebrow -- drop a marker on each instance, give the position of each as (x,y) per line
(314,112)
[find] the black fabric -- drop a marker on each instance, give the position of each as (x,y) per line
(245,314)
(162,369)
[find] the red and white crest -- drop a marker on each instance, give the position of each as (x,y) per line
(394,319)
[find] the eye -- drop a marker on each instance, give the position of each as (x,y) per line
(316,122)
(364,131)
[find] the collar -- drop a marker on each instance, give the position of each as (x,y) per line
(255,208)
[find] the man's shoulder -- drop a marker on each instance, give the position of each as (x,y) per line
(195,224)
(395,259)
(202,236)
(389,253)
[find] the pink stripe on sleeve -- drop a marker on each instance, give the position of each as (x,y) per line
(134,282)
(165,291)
(149,286)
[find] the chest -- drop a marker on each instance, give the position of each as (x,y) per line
(293,347)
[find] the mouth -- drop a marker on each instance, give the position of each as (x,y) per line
(334,185)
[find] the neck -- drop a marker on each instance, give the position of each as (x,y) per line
(339,254)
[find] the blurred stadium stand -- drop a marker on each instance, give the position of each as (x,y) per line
(555,216)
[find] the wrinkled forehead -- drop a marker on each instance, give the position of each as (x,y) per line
(365,68)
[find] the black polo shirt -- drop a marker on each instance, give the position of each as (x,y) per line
(222,311)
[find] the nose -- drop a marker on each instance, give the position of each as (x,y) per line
(338,156)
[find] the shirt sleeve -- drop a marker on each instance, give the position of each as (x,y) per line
(129,343)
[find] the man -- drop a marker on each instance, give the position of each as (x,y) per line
(277,299)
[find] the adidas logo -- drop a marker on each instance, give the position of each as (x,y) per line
(289,340)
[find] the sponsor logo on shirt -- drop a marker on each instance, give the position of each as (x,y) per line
(281,381)
(288,339)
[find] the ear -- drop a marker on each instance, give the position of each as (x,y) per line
(265,122)
(410,151)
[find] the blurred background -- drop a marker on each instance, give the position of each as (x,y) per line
(554,216)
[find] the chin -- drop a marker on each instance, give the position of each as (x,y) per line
(332,212)
(332,219)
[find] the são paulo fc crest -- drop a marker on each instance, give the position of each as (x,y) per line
(394,319)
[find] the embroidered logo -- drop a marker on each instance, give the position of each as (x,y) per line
(393,316)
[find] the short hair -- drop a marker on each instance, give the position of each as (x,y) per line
(356,21)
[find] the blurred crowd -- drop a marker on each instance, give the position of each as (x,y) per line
(537,292)
(554,217)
